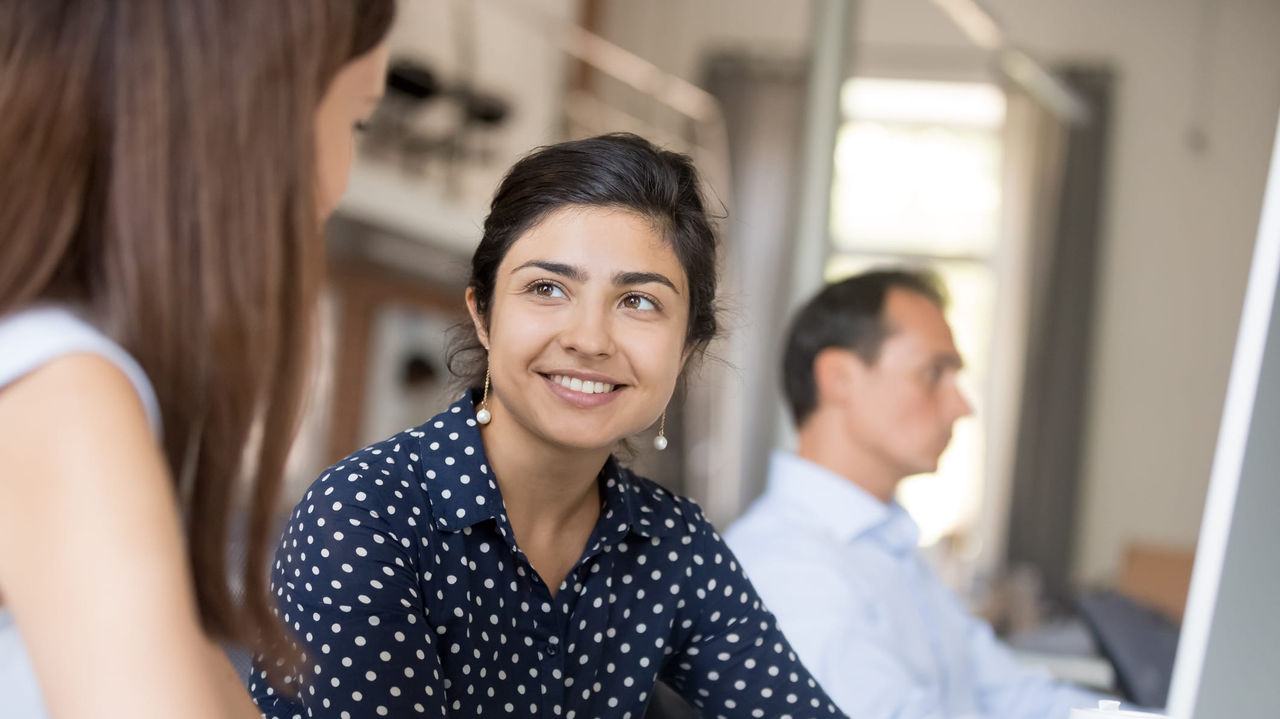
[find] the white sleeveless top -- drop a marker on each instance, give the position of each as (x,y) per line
(29,339)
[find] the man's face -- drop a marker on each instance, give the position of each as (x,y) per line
(901,408)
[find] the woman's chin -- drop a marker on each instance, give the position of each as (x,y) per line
(585,438)
(584,444)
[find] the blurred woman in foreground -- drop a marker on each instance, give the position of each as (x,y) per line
(167,166)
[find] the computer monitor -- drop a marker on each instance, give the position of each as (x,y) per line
(1228,660)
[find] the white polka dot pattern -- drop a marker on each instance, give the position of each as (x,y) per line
(400,576)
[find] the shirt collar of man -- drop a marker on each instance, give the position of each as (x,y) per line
(460,485)
(837,506)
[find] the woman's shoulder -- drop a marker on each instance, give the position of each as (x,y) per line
(391,476)
(660,510)
(390,466)
(38,336)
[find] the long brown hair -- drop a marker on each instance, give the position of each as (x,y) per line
(157,168)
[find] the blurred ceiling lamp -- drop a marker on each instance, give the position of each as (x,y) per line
(709,144)
(622,65)
(973,21)
(982,30)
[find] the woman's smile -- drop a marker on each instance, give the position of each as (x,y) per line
(584,390)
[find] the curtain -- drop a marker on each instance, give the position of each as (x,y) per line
(763,100)
(1064,171)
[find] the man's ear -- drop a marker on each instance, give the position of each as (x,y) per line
(476,319)
(835,371)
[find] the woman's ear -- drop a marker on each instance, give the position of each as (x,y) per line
(476,319)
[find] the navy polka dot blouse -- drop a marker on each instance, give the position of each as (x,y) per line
(400,574)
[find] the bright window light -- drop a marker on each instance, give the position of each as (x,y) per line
(917,181)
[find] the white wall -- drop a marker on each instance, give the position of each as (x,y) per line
(1178,233)
(1178,225)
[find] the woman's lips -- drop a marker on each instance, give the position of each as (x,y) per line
(585,386)
(588,394)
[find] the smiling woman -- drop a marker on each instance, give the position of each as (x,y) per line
(512,566)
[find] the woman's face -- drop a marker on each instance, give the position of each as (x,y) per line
(348,102)
(586,328)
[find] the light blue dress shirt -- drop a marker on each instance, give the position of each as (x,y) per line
(868,617)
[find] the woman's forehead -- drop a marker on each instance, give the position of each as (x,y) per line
(597,240)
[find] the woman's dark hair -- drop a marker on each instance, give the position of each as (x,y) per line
(850,315)
(159,170)
(618,171)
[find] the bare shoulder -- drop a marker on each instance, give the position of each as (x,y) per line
(78,398)
(74,439)
(88,508)
(79,391)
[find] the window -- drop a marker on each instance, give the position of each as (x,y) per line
(918,182)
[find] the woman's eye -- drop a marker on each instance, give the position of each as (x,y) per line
(638,302)
(546,289)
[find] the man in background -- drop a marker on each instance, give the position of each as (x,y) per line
(870,374)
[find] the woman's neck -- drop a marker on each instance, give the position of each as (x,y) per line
(545,487)
(550,493)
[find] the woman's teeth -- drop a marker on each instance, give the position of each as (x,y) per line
(578,385)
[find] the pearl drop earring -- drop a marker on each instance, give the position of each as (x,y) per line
(660,442)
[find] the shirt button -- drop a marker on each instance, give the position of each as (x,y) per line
(551,650)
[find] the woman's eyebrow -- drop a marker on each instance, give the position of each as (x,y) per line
(623,279)
(557,268)
(577,274)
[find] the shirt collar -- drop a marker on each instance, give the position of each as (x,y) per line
(628,507)
(839,506)
(463,492)
(458,481)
